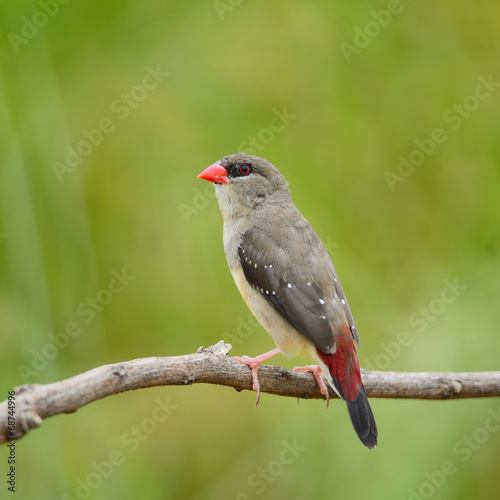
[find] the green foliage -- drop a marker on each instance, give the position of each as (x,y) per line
(382,116)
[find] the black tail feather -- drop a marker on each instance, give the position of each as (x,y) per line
(363,420)
(359,409)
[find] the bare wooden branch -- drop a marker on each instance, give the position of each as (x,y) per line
(33,403)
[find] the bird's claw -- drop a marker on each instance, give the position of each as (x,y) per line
(253,363)
(316,371)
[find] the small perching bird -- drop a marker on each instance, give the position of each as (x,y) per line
(288,280)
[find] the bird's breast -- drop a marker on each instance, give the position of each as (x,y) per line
(285,336)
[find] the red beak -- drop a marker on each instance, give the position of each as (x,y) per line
(215,173)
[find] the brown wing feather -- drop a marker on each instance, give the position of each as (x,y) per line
(311,310)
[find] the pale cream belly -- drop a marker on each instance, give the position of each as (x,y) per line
(286,338)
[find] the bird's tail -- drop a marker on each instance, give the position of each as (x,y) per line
(345,377)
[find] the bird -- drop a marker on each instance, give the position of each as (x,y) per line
(288,280)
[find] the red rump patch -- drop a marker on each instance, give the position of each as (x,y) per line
(343,365)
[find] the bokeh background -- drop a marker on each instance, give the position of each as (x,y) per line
(336,94)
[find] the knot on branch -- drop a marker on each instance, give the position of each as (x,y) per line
(25,417)
(119,371)
(453,388)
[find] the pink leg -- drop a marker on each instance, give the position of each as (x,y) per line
(316,371)
(254,363)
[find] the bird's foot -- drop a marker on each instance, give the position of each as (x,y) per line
(254,363)
(316,371)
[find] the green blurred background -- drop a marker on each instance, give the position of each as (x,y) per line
(132,205)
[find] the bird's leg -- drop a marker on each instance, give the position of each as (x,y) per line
(316,371)
(254,363)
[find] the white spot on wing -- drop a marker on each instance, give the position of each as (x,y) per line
(321,301)
(343,301)
(289,285)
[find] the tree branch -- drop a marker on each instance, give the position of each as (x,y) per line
(35,402)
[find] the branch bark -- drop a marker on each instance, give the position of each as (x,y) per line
(34,402)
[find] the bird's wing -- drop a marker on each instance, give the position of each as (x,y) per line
(345,307)
(294,293)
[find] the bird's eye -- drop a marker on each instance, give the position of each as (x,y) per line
(245,169)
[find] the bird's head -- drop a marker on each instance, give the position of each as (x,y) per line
(244,183)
